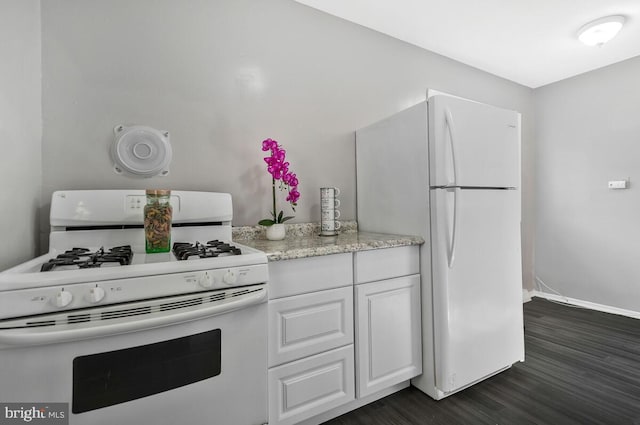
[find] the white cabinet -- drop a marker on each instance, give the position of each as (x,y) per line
(313,385)
(308,324)
(388,319)
(311,354)
(379,264)
(388,343)
(305,275)
(330,341)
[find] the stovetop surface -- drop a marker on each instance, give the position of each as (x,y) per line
(123,255)
(29,275)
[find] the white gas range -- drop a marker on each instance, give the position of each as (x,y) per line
(142,338)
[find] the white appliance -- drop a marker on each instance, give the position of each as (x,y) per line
(448,169)
(126,337)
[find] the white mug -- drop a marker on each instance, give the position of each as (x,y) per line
(326,203)
(329,214)
(329,192)
(330,228)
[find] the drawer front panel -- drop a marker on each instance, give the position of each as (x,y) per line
(304,275)
(308,387)
(386,263)
(309,324)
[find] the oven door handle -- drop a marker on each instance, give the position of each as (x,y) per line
(28,336)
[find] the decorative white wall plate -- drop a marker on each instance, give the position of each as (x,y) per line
(141,151)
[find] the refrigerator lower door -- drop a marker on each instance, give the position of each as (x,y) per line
(477,284)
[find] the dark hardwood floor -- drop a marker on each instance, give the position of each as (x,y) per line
(582,367)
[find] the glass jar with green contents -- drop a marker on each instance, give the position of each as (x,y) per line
(157,221)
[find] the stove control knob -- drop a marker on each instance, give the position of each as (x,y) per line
(206,281)
(96,294)
(230,277)
(63,298)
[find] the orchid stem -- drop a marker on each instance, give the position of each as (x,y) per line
(273,191)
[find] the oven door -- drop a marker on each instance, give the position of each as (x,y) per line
(191,363)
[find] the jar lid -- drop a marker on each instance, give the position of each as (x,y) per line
(159,192)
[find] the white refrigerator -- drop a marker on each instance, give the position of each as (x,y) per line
(448,169)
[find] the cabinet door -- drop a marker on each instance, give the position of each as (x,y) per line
(388,333)
(308,324)
(311,386)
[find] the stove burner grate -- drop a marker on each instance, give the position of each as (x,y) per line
(83,258)
(215,248)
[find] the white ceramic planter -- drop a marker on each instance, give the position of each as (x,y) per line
(276,232)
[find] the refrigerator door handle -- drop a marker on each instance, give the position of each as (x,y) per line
(454,233)
(448,119)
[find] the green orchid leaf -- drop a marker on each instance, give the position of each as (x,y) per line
(279,220)
(286,218)
(266,222)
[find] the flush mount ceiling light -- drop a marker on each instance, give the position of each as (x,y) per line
(601,30)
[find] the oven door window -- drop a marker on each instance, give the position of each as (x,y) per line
(106,379)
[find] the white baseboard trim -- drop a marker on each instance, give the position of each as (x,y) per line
(586,304)
(526,295)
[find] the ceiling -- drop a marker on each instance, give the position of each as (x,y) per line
(531,42)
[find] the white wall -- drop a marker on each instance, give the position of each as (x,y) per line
(20,130)
(587,236)
(222,75)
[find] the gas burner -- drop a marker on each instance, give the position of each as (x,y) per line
(83,258)
(215,248)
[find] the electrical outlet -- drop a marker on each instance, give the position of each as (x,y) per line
(618,184)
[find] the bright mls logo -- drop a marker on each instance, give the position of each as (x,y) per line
(34,413)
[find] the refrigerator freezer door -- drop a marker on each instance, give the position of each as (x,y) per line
(473,144)
(477,284)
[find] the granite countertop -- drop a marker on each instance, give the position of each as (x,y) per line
(303,240)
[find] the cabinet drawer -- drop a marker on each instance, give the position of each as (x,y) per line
(303,275)
(309,324)
(308,387)
(379,264)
